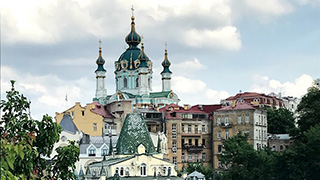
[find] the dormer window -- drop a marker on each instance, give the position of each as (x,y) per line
(92,151)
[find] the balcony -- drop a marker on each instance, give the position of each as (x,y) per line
(193,148)
(223,125)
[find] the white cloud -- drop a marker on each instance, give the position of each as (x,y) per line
(193,64)
(184,85)
(297,88)
(270,7)
(226,37)
(47,92)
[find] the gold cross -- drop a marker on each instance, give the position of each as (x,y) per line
(166,45)
(100,42)
(132,10)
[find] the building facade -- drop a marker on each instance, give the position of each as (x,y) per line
(189,133)
(239,117)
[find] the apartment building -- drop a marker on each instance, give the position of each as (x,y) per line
(239,117)
(189,133)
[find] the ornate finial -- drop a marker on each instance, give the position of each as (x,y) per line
(132,11)
(166,49)
(100,43)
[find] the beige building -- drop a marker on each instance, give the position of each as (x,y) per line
(189,133)
(239,117)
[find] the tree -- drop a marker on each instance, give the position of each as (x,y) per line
(243,162)
(280,121)
(27,143)
(309,109)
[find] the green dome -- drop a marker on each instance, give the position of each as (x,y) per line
(100,61)
(133,38)
(143,57)
(166,63)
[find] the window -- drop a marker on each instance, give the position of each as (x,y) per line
(203,128)
(174,131)
(196,157)
(219,135)
(239,119)
(72,113)
(190,157)
(137,82)
(95,126)
(92,151)
(247,132)
(190,141)
(247,119)
(121,171)
(219,120)
(226,120)
(125,82)
(143,169)
(182,157)
(117,170)
(281,147)
(196,129)
(63,138)
(174,147)
(259,134)
(203,157)
(82,112)
(227,134)
(104,151)
(189,128)
(127,171)
(164,170)
(196,143)
(182,127)
(220,148)
(203,142)
(174,160)
(273,148)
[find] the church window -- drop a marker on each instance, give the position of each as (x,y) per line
(164,170)
(149,82)
(104,151)
(137,82)
(95,126)
(143,169)
(82,113)
(117,170)
(121,171)
(92,151)
(125,82)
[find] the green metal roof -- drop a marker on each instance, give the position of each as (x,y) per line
(133,133)
(159,94)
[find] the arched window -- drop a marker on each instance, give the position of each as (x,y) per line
(137,82)
(121,171)
(125,82)
(281,147)
(117,170)
(143,169)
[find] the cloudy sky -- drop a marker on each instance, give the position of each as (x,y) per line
(217,47)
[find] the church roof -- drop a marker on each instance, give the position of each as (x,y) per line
(159,94)
(133,133)
(67,124)
(166,63)
(100,61)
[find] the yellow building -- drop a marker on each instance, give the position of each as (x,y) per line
(85,118)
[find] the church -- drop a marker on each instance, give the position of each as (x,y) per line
(133,77)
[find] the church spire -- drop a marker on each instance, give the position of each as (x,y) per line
(166,73)
(133,38)
(101,92)
(100,61)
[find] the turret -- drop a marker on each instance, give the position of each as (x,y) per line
(101,91)
(166,73)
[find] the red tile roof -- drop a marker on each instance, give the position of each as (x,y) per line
(238,106)
(101,110)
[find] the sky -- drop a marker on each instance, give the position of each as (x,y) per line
(217,48)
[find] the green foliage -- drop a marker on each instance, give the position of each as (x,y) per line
(243,162)
(26,142)
(280,121)
(309,109)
